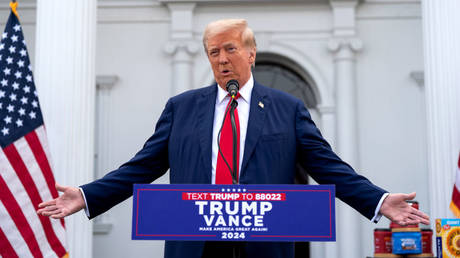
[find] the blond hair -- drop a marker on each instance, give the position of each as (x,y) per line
(220,26)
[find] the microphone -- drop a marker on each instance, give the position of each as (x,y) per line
(232,87)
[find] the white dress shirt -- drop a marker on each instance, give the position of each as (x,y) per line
(222,100)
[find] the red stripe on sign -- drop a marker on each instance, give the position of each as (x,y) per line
(23,174)
(19,219)
(42,160)
(6,250)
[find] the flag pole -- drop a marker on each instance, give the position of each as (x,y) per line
(13,5)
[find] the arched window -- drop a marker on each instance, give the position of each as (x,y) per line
(281,73)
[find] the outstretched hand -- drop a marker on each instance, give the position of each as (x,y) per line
(66,204)
(395,208)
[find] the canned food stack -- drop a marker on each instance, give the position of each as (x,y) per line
(403,241)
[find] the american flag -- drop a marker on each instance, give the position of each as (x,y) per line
(26,178)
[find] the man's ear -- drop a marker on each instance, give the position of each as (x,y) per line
(252,56)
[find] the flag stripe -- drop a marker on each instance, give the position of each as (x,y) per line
(41,135)
(40,156)
(24,150)
(25,178)
(19,192)
(19,219)
(6,250)
(12,232)
(456,196)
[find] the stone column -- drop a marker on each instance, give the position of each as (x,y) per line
(345,92)
(65,74)
(103,223)
(343,45)
(181,46)
(328,128)
(441,42)
(182,64)
(348,227)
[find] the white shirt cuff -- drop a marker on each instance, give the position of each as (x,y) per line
(86,204)
(377,213)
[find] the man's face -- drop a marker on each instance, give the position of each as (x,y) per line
(229,58)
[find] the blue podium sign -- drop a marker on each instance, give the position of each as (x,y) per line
(234,212)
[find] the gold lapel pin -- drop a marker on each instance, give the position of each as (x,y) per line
(261,104)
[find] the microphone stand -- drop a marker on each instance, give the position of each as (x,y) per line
(237,247)
(234,104)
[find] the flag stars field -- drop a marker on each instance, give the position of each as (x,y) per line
(18,93)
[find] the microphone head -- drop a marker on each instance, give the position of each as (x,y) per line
(232,87)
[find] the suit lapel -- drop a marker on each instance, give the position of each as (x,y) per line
(259,105)
(206,106)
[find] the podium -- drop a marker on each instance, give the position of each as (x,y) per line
(192,212)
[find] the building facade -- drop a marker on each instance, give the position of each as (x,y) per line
(105,69)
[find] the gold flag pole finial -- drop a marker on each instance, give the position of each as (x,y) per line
(13,5)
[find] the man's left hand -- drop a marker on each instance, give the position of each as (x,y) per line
(395,208)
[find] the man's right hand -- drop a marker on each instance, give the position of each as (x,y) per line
(66,204)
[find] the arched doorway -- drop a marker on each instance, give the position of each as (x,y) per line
(281,73)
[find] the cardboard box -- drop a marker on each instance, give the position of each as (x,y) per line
(448,238)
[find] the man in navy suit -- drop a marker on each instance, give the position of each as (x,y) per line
(276,133)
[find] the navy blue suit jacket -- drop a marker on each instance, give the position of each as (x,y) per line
(280,134)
